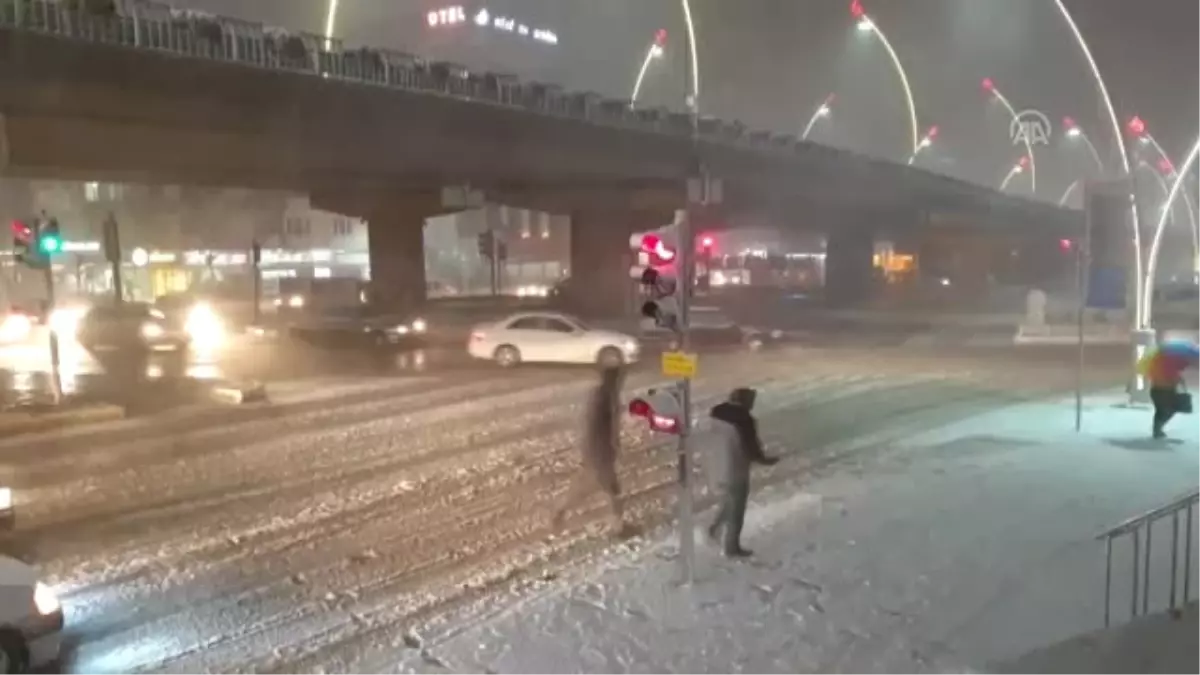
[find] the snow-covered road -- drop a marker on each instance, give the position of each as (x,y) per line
(297,535)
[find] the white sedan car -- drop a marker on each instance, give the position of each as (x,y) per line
(548,337)
(31,619)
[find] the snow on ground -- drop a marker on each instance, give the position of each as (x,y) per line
(959,547)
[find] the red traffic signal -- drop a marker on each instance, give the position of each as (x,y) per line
(22,232)
(639,408)
(660,253)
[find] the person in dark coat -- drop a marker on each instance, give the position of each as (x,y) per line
(600,444)
(734,446)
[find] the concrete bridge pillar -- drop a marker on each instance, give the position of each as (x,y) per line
(600,258)
(396,250)
(849,267)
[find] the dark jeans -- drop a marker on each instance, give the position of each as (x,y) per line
(731,515)
(1164,406)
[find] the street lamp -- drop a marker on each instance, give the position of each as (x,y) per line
(1076,134)
(330,20)
(1152,259)
(824,110)
(1069,191)
(867,25)
(1137,126)
(925,143)
(990,87)
(694,96)
(1138,313)
(1018,168)
(655,51)
(1166,190)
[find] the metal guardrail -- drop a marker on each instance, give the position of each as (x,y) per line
(1133,528)
(144,25)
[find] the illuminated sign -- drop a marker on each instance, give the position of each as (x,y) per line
(484,18)
(446,16)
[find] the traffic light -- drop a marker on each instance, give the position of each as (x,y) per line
(660,408)
(49,238)
(656,271)
(22,238)
(486,243)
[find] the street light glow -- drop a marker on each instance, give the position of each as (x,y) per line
(655,51)
(330,21)
(824,110)
(991,88)
(1152,259)
(865,24)
(1075,132)
(1138,313)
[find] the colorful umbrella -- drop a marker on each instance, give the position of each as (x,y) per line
(1180,349)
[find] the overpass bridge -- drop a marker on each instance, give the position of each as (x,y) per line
(151,95)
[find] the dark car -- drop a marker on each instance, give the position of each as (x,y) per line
(358,327)
(710,327)
(137,327)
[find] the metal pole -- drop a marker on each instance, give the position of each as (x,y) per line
(687,533)
(1146,569)
(256,273)
(55,375)
(1082,261)
(1107,578)
(1174,554)
(1137,559)
(495,253)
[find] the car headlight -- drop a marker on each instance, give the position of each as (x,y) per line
(152,331)
(65,322)
(5,498)
(203,326)
(400,330)
(419,326)
(296,301)
(45,599)
(630,346)
(15,327)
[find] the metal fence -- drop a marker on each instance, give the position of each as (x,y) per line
(153,27)
(1141,527)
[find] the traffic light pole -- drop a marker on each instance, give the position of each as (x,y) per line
(55,369)
(112,250)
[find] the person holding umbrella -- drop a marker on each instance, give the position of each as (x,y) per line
(1163,367)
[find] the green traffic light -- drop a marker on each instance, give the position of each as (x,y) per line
(50,244)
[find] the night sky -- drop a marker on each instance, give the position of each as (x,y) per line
(769,63)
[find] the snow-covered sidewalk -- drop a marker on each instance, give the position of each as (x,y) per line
(966,545)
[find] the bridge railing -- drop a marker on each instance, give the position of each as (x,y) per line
(1139,528)
(140,24)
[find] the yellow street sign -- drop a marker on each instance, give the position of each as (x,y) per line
(679,364)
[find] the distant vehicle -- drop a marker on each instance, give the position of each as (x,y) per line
(359,326)
(197,317)
(135,326)
(31,619)
(549,337)
(711,327)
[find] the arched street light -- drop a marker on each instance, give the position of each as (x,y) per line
(655,51)
(867,25)
(330,21)
(1137,126)
(1075,133)
(925,143)
(1018,168)
(990,87)
(824,110)
(1152,259)
(1069,191)
(1138,313)
(694,96)
(1145,167)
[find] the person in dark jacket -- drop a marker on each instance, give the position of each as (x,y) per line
(734,446)
(600,443)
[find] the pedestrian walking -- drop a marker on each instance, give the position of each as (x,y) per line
(599,447)
(1163,367)
(733,445)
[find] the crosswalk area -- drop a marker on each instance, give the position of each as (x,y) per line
(282,535)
